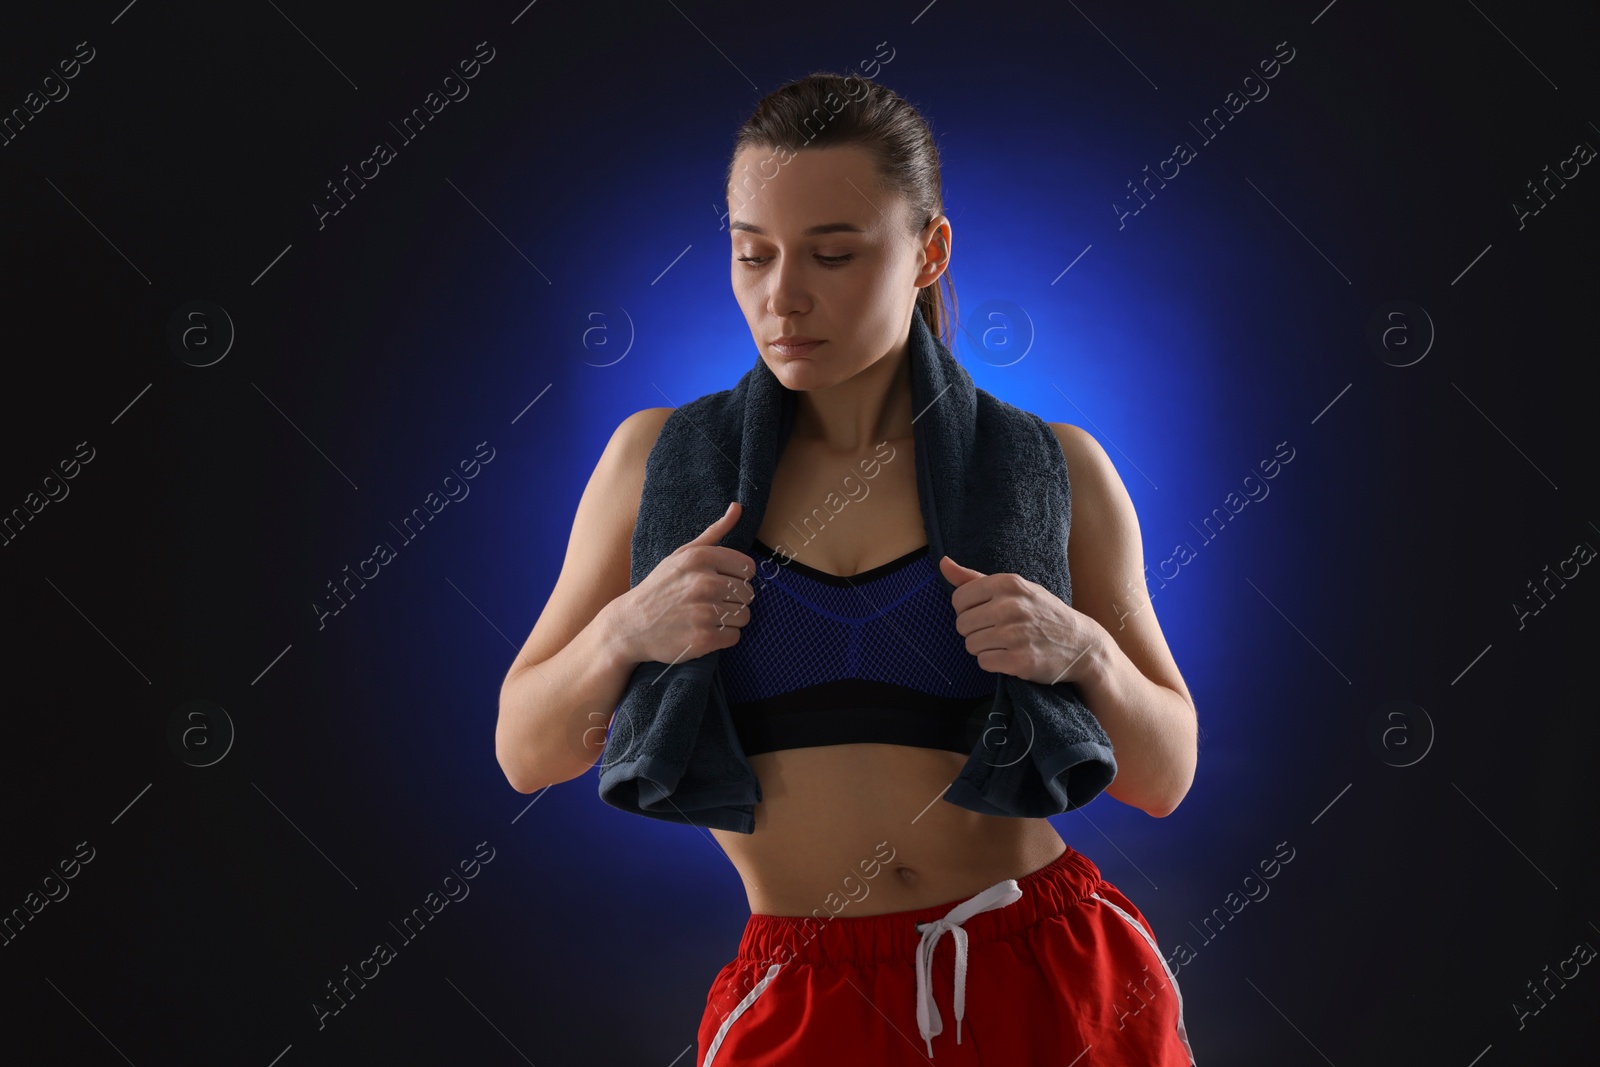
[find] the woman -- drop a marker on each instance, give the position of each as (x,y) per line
(855,871)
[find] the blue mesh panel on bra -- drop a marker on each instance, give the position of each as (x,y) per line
(875,657)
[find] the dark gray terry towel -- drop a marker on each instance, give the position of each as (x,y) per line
(992,486)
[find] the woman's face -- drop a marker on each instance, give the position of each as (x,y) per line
(851,287)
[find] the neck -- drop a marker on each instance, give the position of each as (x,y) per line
(872,406)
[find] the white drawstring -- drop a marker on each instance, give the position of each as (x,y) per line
(928,1022)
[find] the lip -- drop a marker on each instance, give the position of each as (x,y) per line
(795,345)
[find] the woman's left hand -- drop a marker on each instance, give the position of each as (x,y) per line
(1017,627)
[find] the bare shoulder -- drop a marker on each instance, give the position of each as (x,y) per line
(597,566)
(1104,550)
(1071,437)
(630,446)
(1088,466)
(618,481)
(646,422)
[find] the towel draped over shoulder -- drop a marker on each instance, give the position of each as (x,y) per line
(992,487)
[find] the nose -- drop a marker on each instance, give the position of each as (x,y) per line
(787,293)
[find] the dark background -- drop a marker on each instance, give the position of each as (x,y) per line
(555,236)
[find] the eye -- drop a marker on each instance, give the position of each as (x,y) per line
(827,261)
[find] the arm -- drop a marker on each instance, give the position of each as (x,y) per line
(1127,677)
(561,691)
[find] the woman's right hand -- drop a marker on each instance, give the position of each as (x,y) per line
(694,601)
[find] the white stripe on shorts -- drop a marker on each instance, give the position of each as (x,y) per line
(1171,978)
(749,999)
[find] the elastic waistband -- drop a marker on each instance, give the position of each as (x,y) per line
(893,936)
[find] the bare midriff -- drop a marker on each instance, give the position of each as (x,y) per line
(863,829)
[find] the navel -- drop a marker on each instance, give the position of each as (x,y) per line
(907,875)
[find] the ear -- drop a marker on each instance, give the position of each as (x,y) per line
(937,240)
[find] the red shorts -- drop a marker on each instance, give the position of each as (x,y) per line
(1054,964)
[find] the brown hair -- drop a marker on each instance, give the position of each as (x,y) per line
(849,110)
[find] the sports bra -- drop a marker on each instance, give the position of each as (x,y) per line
(875,657)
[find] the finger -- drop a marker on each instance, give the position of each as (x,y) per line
(957,574)
(963,568)
(732,562)
(986,639)
(972,620)
(738,591)
(732,615)
(972,593)
(719,529)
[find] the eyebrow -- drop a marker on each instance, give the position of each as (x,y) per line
(812,231)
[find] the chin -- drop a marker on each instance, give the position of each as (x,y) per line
(797,378)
